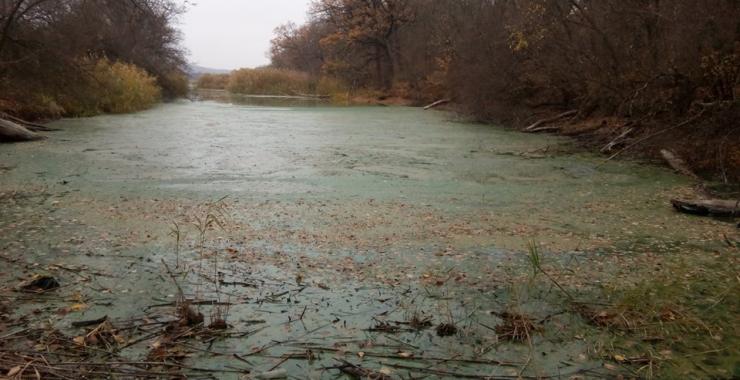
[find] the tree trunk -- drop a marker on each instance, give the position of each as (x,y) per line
(12,132)
(711,207)
(678,164)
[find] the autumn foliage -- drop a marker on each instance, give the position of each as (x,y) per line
(213,81)
(640,63)
(79,57)
(269,81)
(119,88)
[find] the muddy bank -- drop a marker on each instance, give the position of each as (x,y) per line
(706,141)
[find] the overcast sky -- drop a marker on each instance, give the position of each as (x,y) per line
(230,34)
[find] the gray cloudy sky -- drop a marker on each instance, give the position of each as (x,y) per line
(229,34)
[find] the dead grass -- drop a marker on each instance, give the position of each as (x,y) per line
(679,326)
(446,329)
(681,322)
(213,81)
(268,81)
(419,321)
(515,327)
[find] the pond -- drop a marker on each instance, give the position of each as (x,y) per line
(336,234)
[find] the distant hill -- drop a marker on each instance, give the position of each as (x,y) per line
(195,70)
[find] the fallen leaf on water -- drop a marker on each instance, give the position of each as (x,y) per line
(78,307)
(14,371)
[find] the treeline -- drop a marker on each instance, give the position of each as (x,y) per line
(83,57)
(637,64)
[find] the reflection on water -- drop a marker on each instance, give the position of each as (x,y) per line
(259,100)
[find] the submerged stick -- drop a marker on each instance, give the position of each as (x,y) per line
(437,104)
(90,322)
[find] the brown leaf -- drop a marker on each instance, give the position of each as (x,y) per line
(14,371)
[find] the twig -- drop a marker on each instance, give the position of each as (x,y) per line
(534,127)
(641,140)
(90,322)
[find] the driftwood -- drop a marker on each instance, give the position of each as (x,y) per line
(12,132)
(312,96)
(608,147)
(678,164)
(358,372)
(437,103)
(27,124)
(538,126)
(649,136)
(707,207)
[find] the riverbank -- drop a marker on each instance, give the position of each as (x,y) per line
(701,141)
(389,238)
(704,138)
(709,150)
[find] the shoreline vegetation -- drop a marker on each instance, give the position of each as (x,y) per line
(650,79)
(632,85)
(285,82)
(626,78)
(87,58)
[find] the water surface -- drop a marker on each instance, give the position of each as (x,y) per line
(350,215)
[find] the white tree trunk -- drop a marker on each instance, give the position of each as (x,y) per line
(12,132)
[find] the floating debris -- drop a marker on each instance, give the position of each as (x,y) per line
(446,329)
(274,374)
(218,324)
(516,327)
(188,316)
(359,372)
(40,283)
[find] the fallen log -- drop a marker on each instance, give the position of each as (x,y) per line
(539,123)
(27,124)
(437,104)
(12,132)
(707,207)
(678,164)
